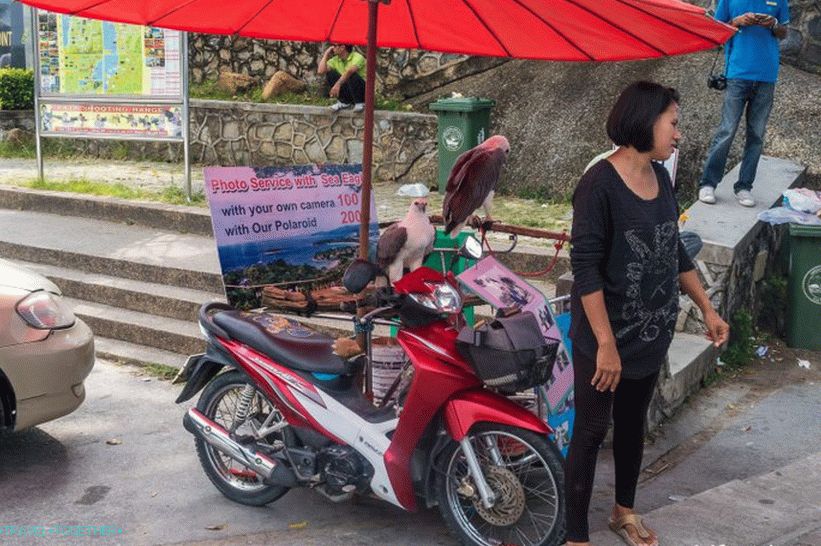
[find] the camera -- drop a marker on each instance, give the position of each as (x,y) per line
(718,82)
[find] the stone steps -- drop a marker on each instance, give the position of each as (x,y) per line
(153,298)
(169,334)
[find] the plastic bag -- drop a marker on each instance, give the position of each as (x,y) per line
(803,200)
(784,215)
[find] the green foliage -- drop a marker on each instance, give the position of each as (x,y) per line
(16,89)
(172,194)
(160,371)
(741,348)
(772,304)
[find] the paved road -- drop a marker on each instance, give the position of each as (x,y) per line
(151,486)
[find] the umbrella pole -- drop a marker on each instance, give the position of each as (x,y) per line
(367,146)
(363,339)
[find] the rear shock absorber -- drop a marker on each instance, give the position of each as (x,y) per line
(244,404)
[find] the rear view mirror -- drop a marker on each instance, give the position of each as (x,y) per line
(358,275)
(471,248)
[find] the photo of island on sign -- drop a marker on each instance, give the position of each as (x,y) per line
(284,226)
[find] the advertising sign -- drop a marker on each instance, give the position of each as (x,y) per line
(500,287)
(87,57)
(285,225)
(12,49)
(105,120)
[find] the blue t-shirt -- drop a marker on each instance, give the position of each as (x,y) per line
(752,54)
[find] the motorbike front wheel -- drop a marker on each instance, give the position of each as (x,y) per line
(525,472)
(219,402)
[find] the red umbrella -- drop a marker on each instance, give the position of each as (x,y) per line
(559,30)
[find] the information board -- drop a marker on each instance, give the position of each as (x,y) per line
(88,57)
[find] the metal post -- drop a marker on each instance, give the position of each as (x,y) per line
(186,120)
(35,37)
(367,146)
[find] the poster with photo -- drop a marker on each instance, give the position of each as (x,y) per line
(501,288)
(285,226)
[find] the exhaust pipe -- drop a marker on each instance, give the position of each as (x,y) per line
(273,472)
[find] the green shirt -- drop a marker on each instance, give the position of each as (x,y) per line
(354,59)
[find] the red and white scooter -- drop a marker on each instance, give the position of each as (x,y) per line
(286,412)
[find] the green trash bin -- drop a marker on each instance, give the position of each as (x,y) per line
(804,287)
(464,122)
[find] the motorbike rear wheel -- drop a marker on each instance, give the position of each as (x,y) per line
(526,473)
(219,402)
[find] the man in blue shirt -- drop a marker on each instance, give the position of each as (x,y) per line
(752,69)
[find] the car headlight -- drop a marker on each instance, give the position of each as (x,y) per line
(444,299)
(45,311)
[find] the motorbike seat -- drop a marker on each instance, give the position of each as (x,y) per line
(285,340)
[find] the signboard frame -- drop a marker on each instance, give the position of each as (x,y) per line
(125,100)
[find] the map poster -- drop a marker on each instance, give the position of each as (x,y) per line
(296,226)
(95,119)
(88,57)
(501,288)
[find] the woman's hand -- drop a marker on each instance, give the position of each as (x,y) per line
(608,368)
(717,330)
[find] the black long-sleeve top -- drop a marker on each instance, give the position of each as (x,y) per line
(628,247)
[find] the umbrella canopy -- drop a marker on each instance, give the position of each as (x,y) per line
(559,30)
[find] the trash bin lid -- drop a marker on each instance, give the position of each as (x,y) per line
(801,230)
(462,104)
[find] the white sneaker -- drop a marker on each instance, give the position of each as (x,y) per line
(707,194)
(745,198)
(340,106)
(359,107)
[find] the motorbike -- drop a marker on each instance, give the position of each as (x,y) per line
(279,410)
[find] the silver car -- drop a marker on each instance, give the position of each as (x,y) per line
(45,351)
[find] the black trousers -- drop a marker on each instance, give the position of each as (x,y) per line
(628,406)
(350,92)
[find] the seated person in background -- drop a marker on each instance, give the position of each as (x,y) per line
(344,71)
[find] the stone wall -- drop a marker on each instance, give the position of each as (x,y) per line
(12,119)
(802,46)
(237,133)
(210,54)
(231,133)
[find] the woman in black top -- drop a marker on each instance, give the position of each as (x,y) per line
(629,267)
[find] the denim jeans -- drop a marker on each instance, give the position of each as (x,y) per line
(757,98)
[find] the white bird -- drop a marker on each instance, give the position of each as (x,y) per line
(472,183)
(407,242)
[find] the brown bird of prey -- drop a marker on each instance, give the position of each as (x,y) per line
(472,183)
(407,242)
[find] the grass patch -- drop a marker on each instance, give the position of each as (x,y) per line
(160,371)
(171,195)
(312,96)
(740,350)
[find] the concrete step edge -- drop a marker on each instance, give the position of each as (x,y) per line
(198,280)
(152,298)
(181,218)
(139,328)
(124,352)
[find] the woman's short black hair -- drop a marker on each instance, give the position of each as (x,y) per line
(638,107)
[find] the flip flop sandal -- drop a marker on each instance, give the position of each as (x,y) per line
(619,526)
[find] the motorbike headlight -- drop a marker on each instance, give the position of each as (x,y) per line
(444,299)
(45,311)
